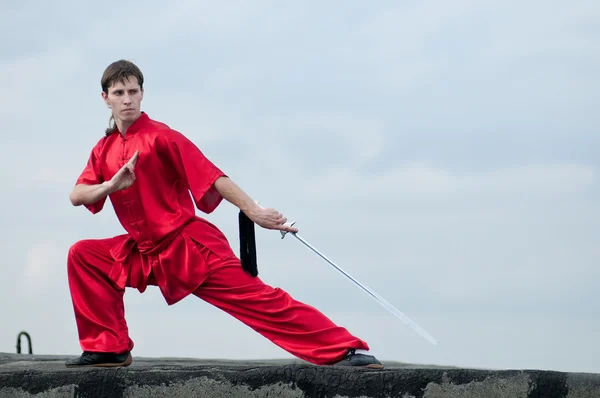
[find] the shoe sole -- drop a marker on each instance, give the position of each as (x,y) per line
(127,362)
(369,366)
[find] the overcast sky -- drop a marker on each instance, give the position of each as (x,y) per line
(443,153)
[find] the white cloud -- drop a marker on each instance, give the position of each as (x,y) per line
(538,30)
(52,175)
(422,182)
(482,236)
(363,138)
(42,269)
(27,77)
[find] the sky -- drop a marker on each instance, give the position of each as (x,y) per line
(442,153)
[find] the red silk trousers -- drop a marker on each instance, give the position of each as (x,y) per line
(294,326)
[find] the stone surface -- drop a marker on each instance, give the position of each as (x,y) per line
(46,377)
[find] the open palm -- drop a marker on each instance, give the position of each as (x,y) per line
(125,177)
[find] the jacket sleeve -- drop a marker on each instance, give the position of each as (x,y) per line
(194,169)
(91,175)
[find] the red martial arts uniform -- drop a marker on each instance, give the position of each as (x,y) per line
(169,246)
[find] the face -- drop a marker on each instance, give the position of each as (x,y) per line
(125,99)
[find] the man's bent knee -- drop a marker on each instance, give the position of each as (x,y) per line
(78,250)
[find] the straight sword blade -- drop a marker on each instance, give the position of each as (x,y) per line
(384,303)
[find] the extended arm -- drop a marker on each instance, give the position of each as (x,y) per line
(266,218)
(236,196)
(209,185)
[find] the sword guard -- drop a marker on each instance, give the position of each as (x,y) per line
(288,224)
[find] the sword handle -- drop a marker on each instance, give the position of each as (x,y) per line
(287,224)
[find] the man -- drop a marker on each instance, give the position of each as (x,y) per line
(148,171)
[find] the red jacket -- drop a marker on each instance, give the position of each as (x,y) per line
(164,234)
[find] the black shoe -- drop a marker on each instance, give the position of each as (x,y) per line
(359,360)
(103,359)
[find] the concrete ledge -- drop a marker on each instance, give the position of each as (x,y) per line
(46,377)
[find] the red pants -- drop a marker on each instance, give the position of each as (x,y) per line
(298,328)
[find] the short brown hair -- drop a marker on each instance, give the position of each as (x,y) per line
(119,71)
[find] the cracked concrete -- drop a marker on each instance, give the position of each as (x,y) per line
(46,377)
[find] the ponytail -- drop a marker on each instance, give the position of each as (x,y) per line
(112,125)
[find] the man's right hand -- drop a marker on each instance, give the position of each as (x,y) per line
(83,194)
(125,177)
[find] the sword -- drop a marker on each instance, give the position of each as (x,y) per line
(383,302)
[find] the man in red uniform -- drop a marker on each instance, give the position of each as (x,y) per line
(148,171)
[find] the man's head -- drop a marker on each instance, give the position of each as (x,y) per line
(123,90)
